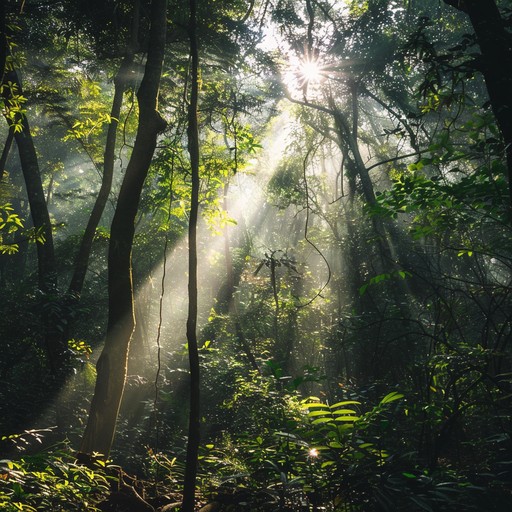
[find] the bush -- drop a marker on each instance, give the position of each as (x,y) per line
(51,480)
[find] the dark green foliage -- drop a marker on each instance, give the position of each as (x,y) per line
(51,480)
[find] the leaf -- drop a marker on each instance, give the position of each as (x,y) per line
(318,421)
(391,397)
(346,402)
(346,418)
(344,411)
(313,405)
(318,413)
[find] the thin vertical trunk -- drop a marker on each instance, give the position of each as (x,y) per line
(112,364)
(82,258)
(194,431)
(19,126)
(120,84)
(4,46)
(6,151)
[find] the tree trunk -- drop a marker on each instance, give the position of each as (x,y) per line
(496,64)
(34,186)
(82,258)
(47,276)
(120,85)
(4,46)
(194,430)
(112,364)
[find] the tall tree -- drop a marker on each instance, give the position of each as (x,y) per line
(112,363)
(13,110)
(194,432)
(12,94)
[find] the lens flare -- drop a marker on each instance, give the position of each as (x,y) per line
(310,71)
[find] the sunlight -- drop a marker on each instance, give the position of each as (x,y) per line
(305,75)
(309,72)
(247,205)
(313,453)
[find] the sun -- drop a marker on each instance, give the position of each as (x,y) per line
(310,71)
(307,75)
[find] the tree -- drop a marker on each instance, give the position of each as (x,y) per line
(13,110)
(495,43)
(194,432)
(121,81)
(112,364)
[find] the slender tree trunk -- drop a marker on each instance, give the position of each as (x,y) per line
(194,430)
(112,364)
(82,258)
(346,137)
(6,151)
(4,46)
(120,84)
(47,276)
(18,124)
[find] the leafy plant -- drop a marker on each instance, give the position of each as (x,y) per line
(10,222)
(52,480)
(323,454)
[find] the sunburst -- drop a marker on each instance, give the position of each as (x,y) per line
(309,72)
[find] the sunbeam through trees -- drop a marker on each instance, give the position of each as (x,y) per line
(256,255)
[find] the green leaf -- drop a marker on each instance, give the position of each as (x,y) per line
(344,411)
(318,413)
(346,402)
(318,421)
(391,397)
(313,405)
(346,418)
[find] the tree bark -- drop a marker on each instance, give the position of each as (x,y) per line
(30,168)
(496,64)
(19,126)
(82,258)
(120,85)
(194,428)
(112,364)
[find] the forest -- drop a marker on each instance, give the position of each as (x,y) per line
(256,255)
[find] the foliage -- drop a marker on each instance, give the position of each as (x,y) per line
(10,222)
(51,480)
(330,456)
